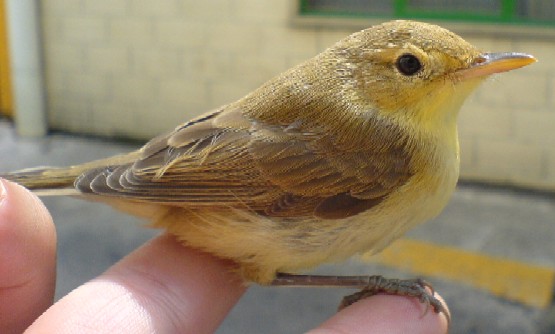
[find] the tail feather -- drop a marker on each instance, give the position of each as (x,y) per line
(59,181)
(44,177)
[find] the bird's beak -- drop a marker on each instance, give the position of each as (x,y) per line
(490,63)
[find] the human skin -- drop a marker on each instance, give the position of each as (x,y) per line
(160,287)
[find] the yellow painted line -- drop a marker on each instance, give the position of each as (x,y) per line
(528,284)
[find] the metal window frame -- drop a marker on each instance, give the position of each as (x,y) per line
(501,25)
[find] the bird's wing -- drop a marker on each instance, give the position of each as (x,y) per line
(342,176)
(225,159)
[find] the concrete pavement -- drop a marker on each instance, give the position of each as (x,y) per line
(493,221)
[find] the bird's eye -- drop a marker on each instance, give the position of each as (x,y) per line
(408,64)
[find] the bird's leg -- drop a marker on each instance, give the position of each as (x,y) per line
(370,285)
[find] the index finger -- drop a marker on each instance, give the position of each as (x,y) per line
(162,287)
(385,314)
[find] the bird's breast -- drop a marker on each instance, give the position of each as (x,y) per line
(423,197)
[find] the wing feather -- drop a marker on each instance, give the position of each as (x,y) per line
(225,159)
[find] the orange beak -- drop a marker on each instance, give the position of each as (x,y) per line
(490,63)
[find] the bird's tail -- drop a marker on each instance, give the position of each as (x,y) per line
(50,181)
(41,178)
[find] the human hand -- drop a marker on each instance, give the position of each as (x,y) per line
(160,287)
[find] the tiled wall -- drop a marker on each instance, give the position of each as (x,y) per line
(138,67)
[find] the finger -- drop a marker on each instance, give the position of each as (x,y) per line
(385,314)
(27,258)
(163,287)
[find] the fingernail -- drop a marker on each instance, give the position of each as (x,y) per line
(2,191)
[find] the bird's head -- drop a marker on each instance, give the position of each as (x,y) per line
(413,70)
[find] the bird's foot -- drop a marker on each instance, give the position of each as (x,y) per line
(418,288)
(370,285)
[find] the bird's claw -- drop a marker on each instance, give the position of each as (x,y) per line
(418,288)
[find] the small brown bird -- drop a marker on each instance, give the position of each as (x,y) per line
(339,155)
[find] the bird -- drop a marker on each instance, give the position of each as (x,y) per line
(339,155)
